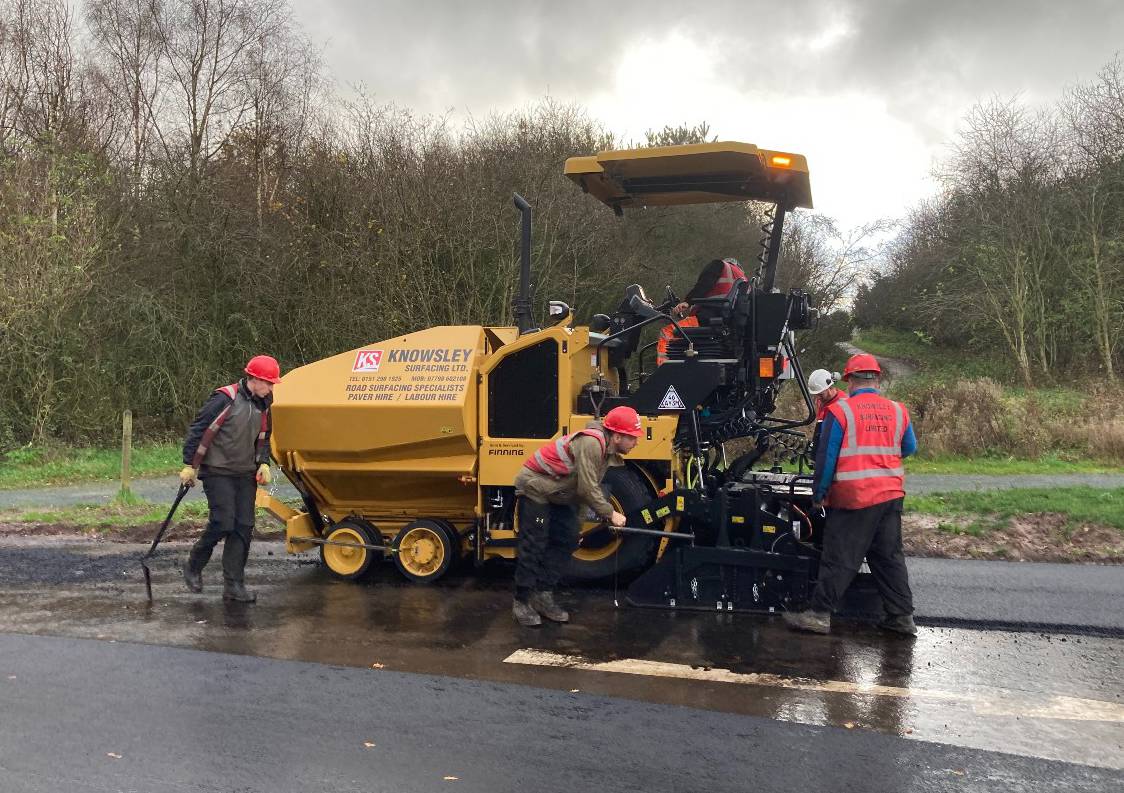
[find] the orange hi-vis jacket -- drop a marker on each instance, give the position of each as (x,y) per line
(869,468)
(667,333)
(555,458)
(728,275)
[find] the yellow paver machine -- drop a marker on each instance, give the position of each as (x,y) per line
(408,446)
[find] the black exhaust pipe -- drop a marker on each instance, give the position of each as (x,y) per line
(521,305)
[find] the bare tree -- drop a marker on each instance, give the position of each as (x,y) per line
(282,76)
(1095,112)
(206,44)
(830,263)
(1097,267)
(1001,168)
(125,36)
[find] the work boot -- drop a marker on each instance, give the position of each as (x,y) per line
(811,621)
(192,577)
(525,615)
(544,603)
(901,623)
(236,591)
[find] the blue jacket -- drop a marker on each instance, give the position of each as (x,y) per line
(831,440)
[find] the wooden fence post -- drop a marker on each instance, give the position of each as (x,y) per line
(126,452)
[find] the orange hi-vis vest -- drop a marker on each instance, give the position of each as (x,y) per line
(869,468)
(821,411)
(555,459)
(729,276)
(667,333)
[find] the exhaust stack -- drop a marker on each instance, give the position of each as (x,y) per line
(521,305)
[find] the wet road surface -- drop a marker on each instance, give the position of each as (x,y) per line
(166,720)
(1028,696)
(163,720)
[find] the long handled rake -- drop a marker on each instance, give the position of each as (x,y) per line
(159,536)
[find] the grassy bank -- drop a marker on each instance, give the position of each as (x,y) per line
(1078,505)
(1077,524)
(39,466)
(119,523)
(970,405)
(106,516)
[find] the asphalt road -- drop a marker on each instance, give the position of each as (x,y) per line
(1022,595)
(163,489)
(93,716)
(947,592)
(114,693)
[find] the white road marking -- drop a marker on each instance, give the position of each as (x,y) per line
(990,702)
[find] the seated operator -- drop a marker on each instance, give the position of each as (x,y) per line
(717,278)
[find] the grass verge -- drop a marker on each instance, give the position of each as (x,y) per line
(107,516)
(135,522)
(1078,505)
(55,465)
(1007,466)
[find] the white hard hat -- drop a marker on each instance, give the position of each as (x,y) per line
(819,381)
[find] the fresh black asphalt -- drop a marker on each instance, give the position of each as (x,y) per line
(84,716)
(1072,598)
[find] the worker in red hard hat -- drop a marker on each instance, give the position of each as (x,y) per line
(227,446)
(859,475)
(551,485)
(717,278)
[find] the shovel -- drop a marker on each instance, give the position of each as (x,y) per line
(159,536)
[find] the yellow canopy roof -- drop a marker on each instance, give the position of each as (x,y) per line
(698,173)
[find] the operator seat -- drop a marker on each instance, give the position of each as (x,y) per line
(721,324)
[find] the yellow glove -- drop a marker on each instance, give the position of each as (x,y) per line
(188,476)
(265,476)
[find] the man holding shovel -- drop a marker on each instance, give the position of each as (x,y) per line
(227,446)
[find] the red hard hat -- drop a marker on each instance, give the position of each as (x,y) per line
(264,367)
(624,420)
(863,362)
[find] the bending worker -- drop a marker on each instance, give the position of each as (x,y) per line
(859,474)
(227,446)
(551,484)
(716,280)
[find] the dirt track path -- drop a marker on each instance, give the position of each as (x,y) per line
(895,367)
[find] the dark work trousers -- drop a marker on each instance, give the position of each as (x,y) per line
(548,536)
(849,535)
(231,501)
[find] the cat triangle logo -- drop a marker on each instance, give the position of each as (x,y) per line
(671,400)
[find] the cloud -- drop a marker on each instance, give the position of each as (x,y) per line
(834,78)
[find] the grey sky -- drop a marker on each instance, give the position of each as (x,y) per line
(804,75)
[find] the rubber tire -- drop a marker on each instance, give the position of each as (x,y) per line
(444,533)
(632,490)
(454,538)
(370,536)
